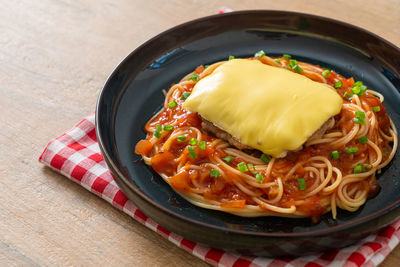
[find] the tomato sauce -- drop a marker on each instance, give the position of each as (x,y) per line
(222,188)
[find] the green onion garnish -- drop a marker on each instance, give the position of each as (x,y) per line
(193,141)
(185,95)
(335,154)
(277,60)
(251,168)
(202,145)
(347,95)
(192,152)
(358,88)
(172,104)
(157,134)
(376,109)
(206,66)
(194,77)
(231,57)
(168,127)
(265,158)
(214,173)
(259,54)
(360,117)
(358,168)
(181,138)
(363,140)
(294,66)
(358,83)
(228,159)
(326,73)
(242,167)
(286,56)
(338,84)
(158,128)
(352,150)
(259,178)
(302,184)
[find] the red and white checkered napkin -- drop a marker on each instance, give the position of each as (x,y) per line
(76,155)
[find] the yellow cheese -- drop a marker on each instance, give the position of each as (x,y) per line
(268,108)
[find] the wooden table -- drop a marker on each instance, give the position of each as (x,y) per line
(54,58)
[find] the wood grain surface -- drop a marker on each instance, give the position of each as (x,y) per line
(54,58)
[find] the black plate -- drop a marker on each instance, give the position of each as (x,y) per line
(132,94)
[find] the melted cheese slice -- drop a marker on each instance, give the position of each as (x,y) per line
(268,108)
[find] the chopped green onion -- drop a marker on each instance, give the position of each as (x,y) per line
(360,117)
(158,128)
(202,145)
(228,159)
(206,66)
(338,84)
(363,140)
(326,73)
(277,60)
(172,104)
(193,141)
(265,158)
(302,184)
(194,77)
(352,150)
(376,109)
(259,54)
(168,127)
(242,167)
(251,168)
(181,138)
(157,134)
(214,173)
(358,83)
(294,66)
(192,152)
(335,154)
(286,56)
(259,178)
(358,168)
(347,95)
(363,89)
(358,88)
(185,95)
(231,57)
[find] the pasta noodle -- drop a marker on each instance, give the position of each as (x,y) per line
(336,170)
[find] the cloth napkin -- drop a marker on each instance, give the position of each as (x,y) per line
(76,155)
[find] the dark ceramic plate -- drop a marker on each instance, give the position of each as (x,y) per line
(132,94)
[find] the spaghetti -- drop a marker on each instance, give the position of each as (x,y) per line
(335,170)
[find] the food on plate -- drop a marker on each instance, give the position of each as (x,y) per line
(267,136)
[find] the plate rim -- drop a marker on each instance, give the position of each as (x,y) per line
(120,177)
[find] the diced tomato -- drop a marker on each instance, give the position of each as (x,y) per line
(143,147)
(348,82)
(180,182)
(164,162)
(199,69)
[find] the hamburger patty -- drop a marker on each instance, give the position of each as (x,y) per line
(218,132)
